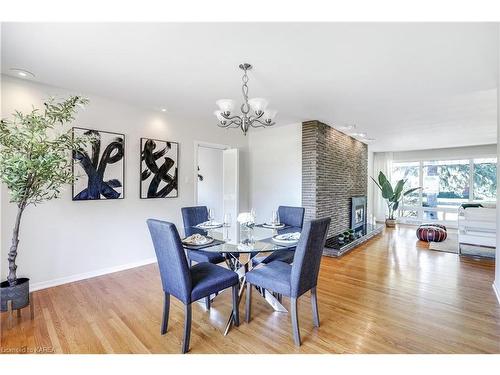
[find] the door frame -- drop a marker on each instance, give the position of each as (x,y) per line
(197,144)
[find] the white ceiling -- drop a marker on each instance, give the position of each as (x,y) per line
(410,86)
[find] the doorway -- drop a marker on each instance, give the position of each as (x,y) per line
(216,176)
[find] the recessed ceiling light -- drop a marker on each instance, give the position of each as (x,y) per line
(164,110)
(361,135)
(347,127)
(23,73)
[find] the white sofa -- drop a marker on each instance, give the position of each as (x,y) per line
(477,228)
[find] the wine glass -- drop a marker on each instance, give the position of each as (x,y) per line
(227,224)
(210,216)
(274,218)
(227,219)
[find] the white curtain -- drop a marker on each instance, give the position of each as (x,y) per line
(382,161)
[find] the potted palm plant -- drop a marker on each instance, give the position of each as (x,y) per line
(35,162)
(392,195)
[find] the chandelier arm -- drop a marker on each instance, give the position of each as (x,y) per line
(230,117)
(263,124)
(230,124)
(255,117)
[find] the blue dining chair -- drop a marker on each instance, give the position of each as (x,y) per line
(192,216)
(184,283)
(296,279)
(293,218)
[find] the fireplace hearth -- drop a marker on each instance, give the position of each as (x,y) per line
(360,230)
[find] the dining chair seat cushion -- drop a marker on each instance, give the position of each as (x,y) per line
(274,276)
(208,278)
(199,256)
(285,256)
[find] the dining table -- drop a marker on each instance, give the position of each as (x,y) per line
(254,243)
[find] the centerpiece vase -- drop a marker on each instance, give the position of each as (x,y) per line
(246,233)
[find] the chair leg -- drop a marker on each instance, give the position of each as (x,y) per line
(166,311)
(314,302)
(236,310)
(248,303)
(207,303)
(295,321)
(187,328)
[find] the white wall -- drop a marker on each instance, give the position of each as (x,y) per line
(210,189)
(275,168)
(62,239)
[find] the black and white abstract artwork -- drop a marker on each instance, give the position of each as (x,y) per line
(99,168)
(159,169)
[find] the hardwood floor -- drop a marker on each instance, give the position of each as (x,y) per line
(391,295)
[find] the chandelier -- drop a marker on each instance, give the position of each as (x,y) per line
(260,117)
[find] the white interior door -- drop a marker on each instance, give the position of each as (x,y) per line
(230,173)
(210,180)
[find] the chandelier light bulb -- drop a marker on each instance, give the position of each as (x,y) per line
(258,105)
(219,116)
(226,106)
(269,115)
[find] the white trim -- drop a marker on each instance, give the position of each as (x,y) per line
(497,292)
(89,275)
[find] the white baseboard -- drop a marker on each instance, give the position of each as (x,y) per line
(88,275)
(497,292)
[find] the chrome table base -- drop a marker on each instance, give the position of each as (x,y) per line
(241,269)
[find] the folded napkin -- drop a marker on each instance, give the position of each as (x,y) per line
(195,239)
(290,236)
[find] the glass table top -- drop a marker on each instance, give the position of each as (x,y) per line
(256,247)
(261,240)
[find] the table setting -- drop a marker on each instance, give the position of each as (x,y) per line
(253,239)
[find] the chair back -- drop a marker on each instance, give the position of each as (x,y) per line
(192,216)
(174,270)
(291,216)
(307,256)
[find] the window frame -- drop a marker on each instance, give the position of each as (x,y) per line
(419,208)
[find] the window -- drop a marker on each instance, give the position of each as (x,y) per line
(446,184)
(409,172)
(485,179)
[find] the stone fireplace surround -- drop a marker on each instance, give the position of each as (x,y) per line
(334,169)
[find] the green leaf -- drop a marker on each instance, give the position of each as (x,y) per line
(395,206)
(376,183)
(399,187)
(409,191)
(382,179)
(387,191)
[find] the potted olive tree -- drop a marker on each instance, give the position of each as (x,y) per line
(35,162)
(392,195)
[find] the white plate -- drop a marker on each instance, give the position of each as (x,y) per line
(283,238)
(209,226)
(206,241)
(273,226)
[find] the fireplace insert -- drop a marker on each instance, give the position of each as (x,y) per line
(358,212)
